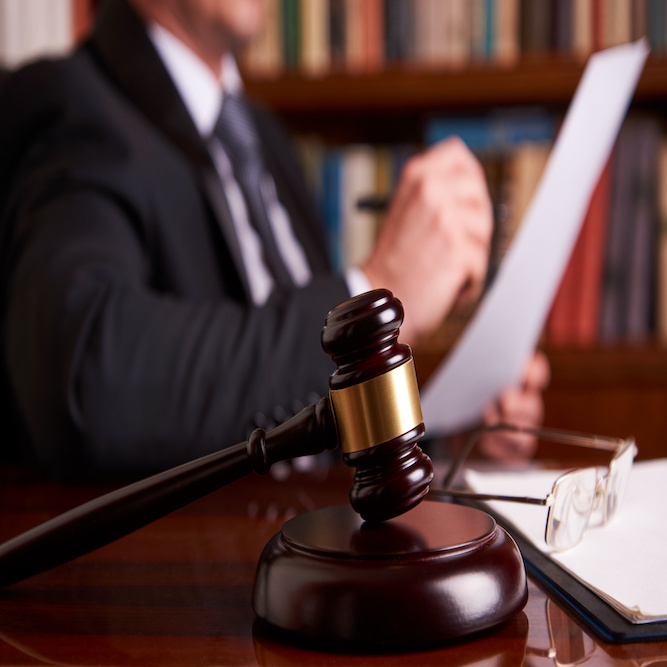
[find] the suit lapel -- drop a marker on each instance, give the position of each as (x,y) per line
(160,101)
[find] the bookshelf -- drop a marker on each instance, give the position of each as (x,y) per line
(614,389)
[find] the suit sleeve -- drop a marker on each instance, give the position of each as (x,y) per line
(113,370)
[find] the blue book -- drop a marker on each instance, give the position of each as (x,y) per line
(495,132)
(332,169)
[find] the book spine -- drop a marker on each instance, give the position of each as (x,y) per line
(507,32)
(614,301)
(374,49)
(337,33)
(661,285)
(31,29)
(359,226)
(593,237)
(642,264)
(332,206)
(291,31)
(399,30)
(314,47)
(656,22)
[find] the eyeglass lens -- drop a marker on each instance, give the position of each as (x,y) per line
(617,481)
(575,497)
(573,501)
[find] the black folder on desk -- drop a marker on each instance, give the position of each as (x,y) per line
(591,609)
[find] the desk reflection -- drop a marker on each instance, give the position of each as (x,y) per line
(179,592)
(569,645)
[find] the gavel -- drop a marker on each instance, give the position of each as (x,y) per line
(372,412)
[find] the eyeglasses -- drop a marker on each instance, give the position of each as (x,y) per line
(575,495)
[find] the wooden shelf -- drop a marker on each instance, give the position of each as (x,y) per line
(611,390)
(616,390)
(638,365)
(546,80)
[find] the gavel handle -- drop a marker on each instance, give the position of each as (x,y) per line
(125,510)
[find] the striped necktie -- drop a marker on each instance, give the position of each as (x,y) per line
(236,131)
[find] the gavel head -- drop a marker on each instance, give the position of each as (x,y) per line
(375,401)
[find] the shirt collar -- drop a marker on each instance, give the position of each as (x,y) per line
(200,90)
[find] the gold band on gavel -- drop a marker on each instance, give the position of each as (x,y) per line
(378,410)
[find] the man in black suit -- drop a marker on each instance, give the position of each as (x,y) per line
(144,321)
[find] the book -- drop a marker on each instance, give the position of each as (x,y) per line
(643,260)
(291,33)
(656,22)
(630,258)
(457,30)
(490,32)
(535,28)
(31,29)
(498,130)
(591,256)
(399,30)
(525,167)
(574,315)
(506,27)
(337,38)
(331,203)
(424,26)
(315,48)
(478,30)
(639,17)
(582,28)
(661,285)
(359,226)
(355,60)
(373,35)
(613,305)
(563,24)
(617,22)
(599,19)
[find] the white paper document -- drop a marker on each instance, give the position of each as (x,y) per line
(624,561)
(493,350)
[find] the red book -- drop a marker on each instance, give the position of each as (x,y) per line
(599,18)
(574,315)
(592,244)
(373,21)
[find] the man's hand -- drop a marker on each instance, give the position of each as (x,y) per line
(433,248)
(518,406)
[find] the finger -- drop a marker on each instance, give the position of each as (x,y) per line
(508,447)
(451,154)
(521,408)
(538,372)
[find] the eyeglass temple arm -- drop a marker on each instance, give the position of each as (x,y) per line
(471,495)
(556,435)
(463,455)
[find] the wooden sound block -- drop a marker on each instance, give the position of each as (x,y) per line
(437,572)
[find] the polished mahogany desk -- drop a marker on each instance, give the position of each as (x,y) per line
(178,592)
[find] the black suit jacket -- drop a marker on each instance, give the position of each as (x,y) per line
(129,338)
